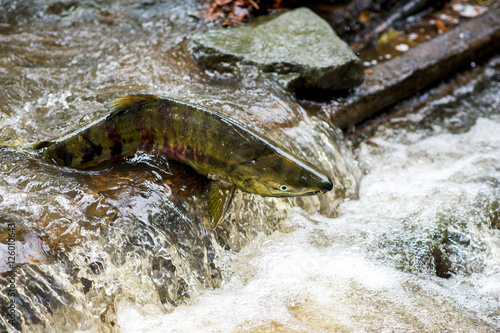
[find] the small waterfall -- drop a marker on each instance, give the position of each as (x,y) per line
(124,248)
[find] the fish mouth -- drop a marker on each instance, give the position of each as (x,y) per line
(316,190)
(290,195)
(307,193)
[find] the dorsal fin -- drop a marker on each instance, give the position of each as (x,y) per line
(124,103)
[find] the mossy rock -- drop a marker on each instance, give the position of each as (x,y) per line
(298,47)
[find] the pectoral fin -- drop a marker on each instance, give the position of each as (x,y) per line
(220,195)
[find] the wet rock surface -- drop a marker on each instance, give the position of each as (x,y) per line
(299,47)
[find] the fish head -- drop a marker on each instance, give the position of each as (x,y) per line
(280,175)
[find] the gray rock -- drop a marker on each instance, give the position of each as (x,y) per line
(298,47)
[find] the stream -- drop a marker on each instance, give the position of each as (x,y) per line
(408,240)
(419,251)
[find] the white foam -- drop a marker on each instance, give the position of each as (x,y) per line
(325,274)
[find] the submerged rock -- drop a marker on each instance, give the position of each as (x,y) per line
(299,47)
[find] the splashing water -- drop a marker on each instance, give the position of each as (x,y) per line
(123,247)
(418,251)
(85,240)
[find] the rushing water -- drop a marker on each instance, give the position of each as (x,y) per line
(418,251)
(123,247)
(134,231)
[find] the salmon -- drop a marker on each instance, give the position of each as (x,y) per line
(226,151)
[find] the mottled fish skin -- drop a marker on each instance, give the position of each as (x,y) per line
(216,146)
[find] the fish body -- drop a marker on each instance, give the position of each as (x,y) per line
(224,150)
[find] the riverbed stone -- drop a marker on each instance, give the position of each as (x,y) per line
(298,48)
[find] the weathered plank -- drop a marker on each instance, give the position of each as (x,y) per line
(424,64)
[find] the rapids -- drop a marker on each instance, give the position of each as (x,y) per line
(408,240)
(418,251)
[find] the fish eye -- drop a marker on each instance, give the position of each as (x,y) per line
(283,188)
